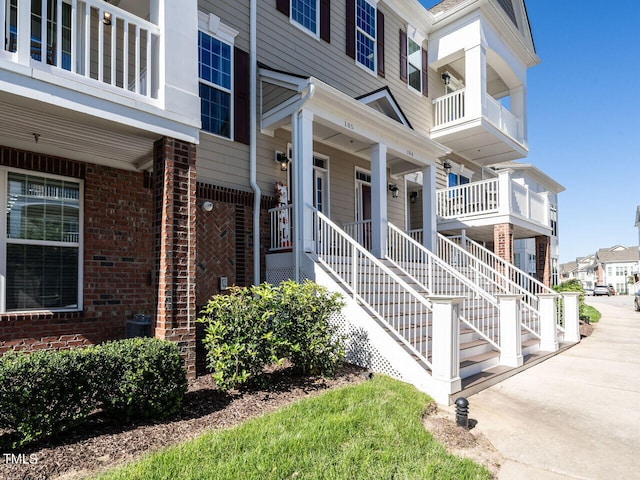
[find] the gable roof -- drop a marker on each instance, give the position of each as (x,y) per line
(618,254)
(382,100)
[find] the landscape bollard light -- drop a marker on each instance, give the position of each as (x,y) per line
(462,412)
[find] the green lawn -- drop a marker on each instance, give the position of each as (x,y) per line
(367,431)
(593,314)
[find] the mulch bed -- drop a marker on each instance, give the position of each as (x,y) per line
(101,443)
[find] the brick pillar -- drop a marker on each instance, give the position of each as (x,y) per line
(543,259)
(503,241)
(174,167)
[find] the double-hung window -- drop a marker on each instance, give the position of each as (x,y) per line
(40,242)
(366,54)
(306,14)
(414,65)
(215,71)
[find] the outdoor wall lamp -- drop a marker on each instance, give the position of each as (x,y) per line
(395,191)
(413,196)
(106,17)
(447,166)
(446,78)
(283,160)
(207,206)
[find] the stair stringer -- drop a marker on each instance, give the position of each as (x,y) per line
(369,345)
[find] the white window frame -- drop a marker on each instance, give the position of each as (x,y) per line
(324,171)
(297,24)
(414,36)
(374,70)
(4,174)
(210,24)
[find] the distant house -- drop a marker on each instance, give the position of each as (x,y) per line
(617,266)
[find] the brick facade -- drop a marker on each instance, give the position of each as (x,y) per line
(543,259)
(118,236)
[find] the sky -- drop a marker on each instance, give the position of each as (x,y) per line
(584,117)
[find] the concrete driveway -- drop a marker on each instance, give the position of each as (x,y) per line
(575,415)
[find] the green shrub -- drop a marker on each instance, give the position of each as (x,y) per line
(302,322)
(253,327)
(573,285)
(47,392)
(141,377)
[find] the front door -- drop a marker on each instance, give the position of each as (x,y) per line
(363,208)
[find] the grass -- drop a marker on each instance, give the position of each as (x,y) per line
(365,431)
(593,314)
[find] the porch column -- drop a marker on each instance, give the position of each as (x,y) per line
(24,33)
(302,151)
(429,218)
(571,316)
(475,61)
(379,192)
(503,241)
(518,97)
(504,191)
(174,170)
(543,259)
(510,330)
(548,328)
(445,352)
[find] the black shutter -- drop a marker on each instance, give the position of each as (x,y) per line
(283,6)
(425,72)
(241,96)
(351,28)
(380,40)
(325,20)
(403,56)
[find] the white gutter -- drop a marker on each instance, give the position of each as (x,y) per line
(257,194)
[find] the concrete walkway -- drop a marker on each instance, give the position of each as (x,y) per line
(576,415)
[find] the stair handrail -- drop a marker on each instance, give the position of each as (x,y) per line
(502,282)
(332,241)
(401,245)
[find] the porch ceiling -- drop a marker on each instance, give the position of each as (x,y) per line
(484,232)
(69,134)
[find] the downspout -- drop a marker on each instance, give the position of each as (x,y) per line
(297,202)
(257,194)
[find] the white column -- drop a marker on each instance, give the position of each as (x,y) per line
(510,330)
(548,327)
(379,193)
(302,153)
(571,317)
(475,60)
(445,350)
(504,191)
(24,33)
(429,219)
(518,98)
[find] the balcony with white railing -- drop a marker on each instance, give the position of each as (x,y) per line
(490,202)
(487,132)
(88,55)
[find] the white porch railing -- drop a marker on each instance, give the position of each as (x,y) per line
(449,108)
(487,198)
(281,228)
(479,310)
(360,232)
(395,303)
(122,52)
(477,198)
(502,118)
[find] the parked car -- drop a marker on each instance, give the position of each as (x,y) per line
(602,290)
(636,301)
(588,292)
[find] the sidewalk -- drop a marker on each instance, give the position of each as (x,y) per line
(575,415)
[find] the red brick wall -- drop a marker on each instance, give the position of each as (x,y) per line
(503,241)
(543,260)
(118,239)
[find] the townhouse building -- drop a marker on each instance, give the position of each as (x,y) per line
(155,152)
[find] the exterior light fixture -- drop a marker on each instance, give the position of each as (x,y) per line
(395,191)
(447,166)
(207,206)
(106,17)
(446,78)
(413,196)
(283,160)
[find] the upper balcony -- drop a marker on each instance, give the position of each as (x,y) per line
(96,61)
(476,207)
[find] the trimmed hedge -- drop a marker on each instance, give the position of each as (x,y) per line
(47,392)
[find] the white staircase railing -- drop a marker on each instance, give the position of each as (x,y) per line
(281,228)
(479,310)
(395,303)
(496,275)
(360,232)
